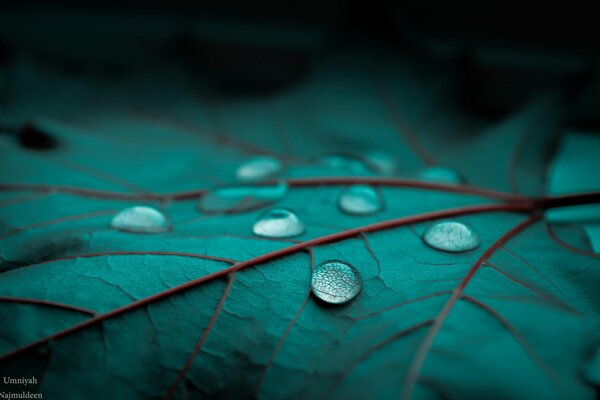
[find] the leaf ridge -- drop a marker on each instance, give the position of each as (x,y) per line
(204,336)
(521,339)
(48,303)
(268,257)
(286,332)
(426,344)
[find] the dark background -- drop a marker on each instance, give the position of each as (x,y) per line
(506,52)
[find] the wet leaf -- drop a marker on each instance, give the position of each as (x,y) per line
(208,309)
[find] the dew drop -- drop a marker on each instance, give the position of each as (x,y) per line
(442,175)
(451,236)
(336,282)
(360,200)
(258,168)
(384,162)
(346,163)
(241,198)
(278,223)
(140,219)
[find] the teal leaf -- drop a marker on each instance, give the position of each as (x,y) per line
(209,309)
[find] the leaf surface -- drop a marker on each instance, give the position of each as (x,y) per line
(208,310)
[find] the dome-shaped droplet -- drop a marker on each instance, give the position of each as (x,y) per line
(385,163)
(336,282)
(258,168)
(140,219)
(241,198)
(346,164)
(278,223)
(442,175)
(451,236)
(360,200)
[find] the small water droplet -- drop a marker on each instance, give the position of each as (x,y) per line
(442,175)
(346,163)
(140,219)
(451,236)
(278,223)
(384,162)
(360,200)
(258,168)
(241,198)
(336,282)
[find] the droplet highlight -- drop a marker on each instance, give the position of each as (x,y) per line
(278,223)
(336,282)
(451,236)
(360,200)
(258,168)
(140,219)
(441,175)
(235,199)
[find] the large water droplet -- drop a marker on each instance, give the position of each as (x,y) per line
(442,175)
(451,236)
(140,219)
(258,168)
(336,282)
(346,163)
(278,223)
(360,200)
(241,198)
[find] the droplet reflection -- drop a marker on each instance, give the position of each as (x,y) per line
(384,162)
(258,168)
(360,200)
(336,282)
(278,223)
(451,236)
(140,219)
(441,175)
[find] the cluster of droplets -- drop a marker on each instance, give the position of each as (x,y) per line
(333,282)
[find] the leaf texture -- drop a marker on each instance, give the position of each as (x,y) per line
(208,310)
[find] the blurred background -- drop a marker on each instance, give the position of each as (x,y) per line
(134,95)
(500,55)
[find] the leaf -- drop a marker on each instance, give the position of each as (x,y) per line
(208,310)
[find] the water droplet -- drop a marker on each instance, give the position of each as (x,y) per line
(360,200)
(278,223)
(336,282)
(241,198)
(346,163)
(384,162)
(442,175)
(258,168)
(140,220)
(451,236)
